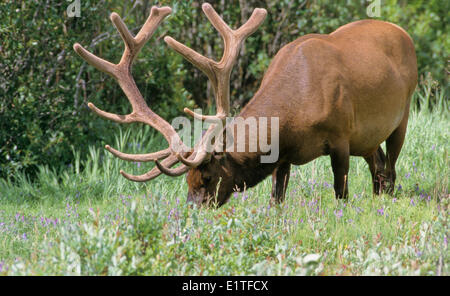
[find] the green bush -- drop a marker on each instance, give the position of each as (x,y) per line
(45,86)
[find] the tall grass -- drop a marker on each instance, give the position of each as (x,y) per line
(88,219)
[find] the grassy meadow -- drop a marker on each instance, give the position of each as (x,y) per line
(89,220)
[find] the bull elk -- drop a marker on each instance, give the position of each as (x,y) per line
(338,94)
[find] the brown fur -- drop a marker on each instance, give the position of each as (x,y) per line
(340,94)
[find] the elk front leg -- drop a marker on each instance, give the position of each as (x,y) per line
(340,158)
(280,179)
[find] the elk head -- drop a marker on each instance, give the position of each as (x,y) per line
(210,176)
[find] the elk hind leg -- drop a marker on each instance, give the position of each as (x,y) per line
(393,146)
(280,180)
(377,163)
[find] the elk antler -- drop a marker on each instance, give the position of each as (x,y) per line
(121,72)
(217,72)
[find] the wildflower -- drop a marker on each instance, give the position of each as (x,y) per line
(419,253)
(380,212)
(24,236)
(338,214)
(408,175)
(235,195)
(411,202)
(394,200)
(170,213)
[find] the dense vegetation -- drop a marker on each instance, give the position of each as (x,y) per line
(44,86)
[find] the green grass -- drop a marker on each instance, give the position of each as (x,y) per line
(89,220)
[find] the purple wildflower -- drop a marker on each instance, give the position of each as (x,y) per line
(380,212)
(338,214)
(171,213)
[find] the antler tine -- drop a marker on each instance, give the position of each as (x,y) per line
(200,150)
(153,173)
(252,24)
(95,61)
(134,44)
(139,157)
(172,172)
(217,21)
